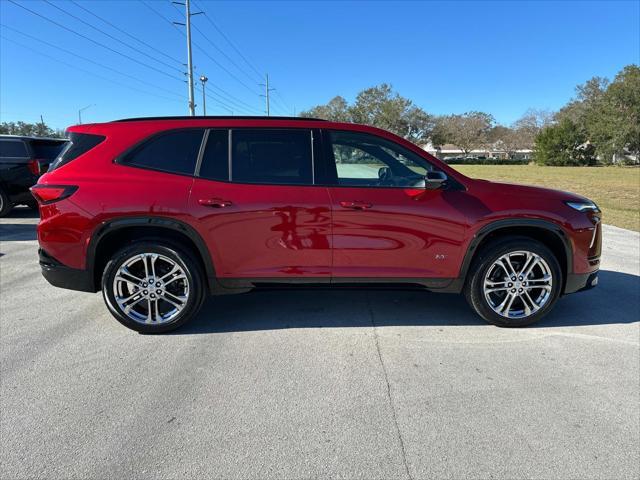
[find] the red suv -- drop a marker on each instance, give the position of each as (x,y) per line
(156,212)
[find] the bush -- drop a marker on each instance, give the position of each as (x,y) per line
(563,144)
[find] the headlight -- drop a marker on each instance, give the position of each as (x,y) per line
(583,206)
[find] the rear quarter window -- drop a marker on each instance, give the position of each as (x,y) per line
(78,144)
(173,152)
(13,149)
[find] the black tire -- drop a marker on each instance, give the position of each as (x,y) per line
(183,258)
(485,260)
(5,204)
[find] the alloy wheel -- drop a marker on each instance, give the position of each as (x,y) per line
(150,288)
(518,284)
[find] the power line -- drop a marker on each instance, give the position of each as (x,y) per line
(282,100)
(232,98)
(230,42)
(161,16)
(76,55)
(223,53)
(126,33)
(94,41)
(283,103)
(88,71)
(230,73)
(111,36)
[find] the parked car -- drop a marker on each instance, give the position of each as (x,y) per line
(22,160)
(158,212)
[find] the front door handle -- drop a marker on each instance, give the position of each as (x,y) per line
(355,205)
(214,202)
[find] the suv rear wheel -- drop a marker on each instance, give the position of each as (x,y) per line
(153,287)
(514,282)
(5,204)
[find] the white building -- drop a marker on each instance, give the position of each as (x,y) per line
(448,151)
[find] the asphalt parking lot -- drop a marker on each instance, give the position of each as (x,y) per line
(318,384)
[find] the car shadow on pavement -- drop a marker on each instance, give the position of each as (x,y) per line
(615,300)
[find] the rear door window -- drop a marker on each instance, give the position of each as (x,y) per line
(13,148)
(272,156)
(173,152)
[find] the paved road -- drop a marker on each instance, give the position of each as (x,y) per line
(319,384)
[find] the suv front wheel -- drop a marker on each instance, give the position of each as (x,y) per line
(514,282)
(153,287)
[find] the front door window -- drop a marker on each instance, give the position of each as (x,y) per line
(363,160)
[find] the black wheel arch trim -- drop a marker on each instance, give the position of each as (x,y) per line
(520,222)
(151,221)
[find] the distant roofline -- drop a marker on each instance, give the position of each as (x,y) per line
(218,117)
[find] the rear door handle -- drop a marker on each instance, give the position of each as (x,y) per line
(355,205)
(214,202)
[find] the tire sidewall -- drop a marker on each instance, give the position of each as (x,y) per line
(475,293)
(192,271)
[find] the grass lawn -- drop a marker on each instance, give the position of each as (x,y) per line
(616,190)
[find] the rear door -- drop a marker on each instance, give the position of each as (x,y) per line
(256,204)
(386,225)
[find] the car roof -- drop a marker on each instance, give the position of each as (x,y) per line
(219,117)
(25,137)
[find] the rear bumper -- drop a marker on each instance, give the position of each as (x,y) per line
(60,275)
(578,282)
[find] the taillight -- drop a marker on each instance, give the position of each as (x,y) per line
(46,194)
(34,167)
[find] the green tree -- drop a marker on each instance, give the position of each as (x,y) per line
(337,110)
(613,123)
(29,129)
(563,144)
(380,107)
(468,131)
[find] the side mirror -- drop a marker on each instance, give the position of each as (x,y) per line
(434,180)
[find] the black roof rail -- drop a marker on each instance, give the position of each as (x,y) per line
(217,117)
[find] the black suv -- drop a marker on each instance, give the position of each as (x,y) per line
(22,161)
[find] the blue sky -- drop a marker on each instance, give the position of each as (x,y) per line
(448,57)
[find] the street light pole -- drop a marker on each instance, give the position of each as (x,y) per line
(204,79)
(80,113)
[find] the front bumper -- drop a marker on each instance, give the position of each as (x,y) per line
(60,275)
(578,282)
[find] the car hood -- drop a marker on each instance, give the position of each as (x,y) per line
(526,191)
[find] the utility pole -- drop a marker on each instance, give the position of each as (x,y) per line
(188,15)
(267,91)
(192,106)
(204,79)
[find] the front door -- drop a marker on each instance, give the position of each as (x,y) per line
(257,207)
(386,225)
